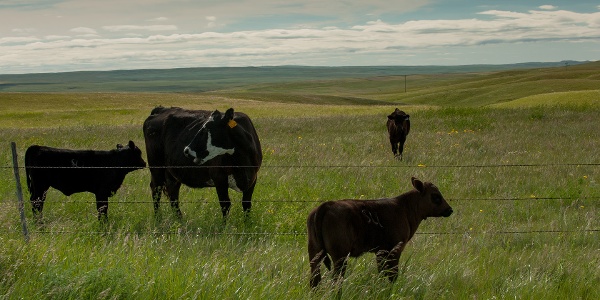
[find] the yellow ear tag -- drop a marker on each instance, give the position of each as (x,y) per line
(232,123)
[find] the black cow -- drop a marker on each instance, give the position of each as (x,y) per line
(75,171)
(398,126)
(202,149)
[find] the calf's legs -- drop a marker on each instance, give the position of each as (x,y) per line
(37,203)
(398,148)
(387,261)
(315,266)
(339,267)
(394,148)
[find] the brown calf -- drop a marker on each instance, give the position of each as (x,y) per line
(348,228)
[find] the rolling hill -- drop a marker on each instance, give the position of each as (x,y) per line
(475,85)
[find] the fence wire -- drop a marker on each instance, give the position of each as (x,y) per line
(321,166)
(320,201)
(214,233)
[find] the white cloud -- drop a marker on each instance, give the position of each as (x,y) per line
(117,28)
(56,37)
(83,30)
(17,40)
(548,7)
(374,42)
(23,30)
(159,19)
(212,22)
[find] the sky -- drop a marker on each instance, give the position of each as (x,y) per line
(40,36)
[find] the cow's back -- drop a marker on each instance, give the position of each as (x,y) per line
(243,120)
(356,226)
(72,171)
(168,129)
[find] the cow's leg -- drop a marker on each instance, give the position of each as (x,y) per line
(339,267)
(387,261)
(172,188)
(102,207)
(394,148)
(157,183)
(400,148)
(315,258)
(224,201)
(247,199)
(156,193)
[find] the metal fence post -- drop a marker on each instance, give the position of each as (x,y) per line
(19,191)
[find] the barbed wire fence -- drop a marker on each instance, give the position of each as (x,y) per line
(20,202)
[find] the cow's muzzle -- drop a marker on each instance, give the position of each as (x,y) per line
(447,212)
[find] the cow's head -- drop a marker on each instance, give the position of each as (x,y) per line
(213,139)
(131,156)
(432,203)
(399,117)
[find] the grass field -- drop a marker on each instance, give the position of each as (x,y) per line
(521,174)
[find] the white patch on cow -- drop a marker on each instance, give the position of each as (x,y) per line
(188,151)
(233,184)
(213,151)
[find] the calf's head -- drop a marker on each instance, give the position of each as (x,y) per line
(399,118)
(213,139)
(431,202)
(131,156)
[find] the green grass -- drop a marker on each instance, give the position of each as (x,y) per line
(543,244)
(577,98)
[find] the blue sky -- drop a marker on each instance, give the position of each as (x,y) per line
(73,35)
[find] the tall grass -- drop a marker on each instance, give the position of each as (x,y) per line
(523,183)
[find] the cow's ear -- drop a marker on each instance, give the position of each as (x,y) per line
(229,118)
(418,184)
(391,117)
(407,117)
(131,145)
(229,114)
(119,146)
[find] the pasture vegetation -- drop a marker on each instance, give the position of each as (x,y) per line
(521,174)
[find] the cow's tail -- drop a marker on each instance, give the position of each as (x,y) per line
(315,236)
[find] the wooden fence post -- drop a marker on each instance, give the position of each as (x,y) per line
(19,191)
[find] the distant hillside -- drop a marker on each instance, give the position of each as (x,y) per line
(443,90)
(193,80)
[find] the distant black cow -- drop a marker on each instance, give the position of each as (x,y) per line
(349,228)
(398,126)
(75,171)
(202,149)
